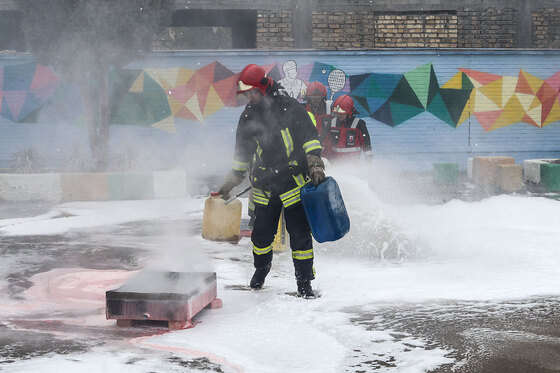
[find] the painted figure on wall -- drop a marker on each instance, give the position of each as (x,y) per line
(294,86)
(336,81)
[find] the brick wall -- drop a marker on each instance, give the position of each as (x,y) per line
(162,41)
(416,30)
(466,27)
(343,30)
(546,28)
(347,30)
(487,28)
(274,29)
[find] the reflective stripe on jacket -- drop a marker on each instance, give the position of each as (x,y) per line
(281,133)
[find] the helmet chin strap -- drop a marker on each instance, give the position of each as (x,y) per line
(316,106)
(270,85)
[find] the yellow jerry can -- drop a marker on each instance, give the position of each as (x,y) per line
(221,222)
(280,242)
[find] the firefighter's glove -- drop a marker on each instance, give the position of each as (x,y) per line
(316,169)
(232,180)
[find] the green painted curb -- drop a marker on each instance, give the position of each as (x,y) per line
(550,176)
(445,173)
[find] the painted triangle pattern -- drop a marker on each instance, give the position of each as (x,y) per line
(158,96)
(24,88)
(494,101)
(502,101)
(414,93)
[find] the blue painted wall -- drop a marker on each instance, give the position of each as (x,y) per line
(206,148)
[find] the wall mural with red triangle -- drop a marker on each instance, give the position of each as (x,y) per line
(24,88)
(156,97)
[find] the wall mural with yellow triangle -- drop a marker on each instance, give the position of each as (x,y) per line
(495,101)
(156,97)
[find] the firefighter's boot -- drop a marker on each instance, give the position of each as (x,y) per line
(304,289)
(257,281)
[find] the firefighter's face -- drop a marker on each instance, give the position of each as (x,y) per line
(341,116)
(254,95)
(316,102)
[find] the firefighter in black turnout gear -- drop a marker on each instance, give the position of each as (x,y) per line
(277,130)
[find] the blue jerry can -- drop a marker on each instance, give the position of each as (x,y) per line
(325,210)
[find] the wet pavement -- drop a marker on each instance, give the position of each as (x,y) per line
(505,336)
(12,210)
(29,335)
(515,336)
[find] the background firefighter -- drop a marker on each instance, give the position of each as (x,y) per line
(316,104)
(277,129)
(347,136)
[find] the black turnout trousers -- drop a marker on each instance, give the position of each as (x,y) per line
(266,226)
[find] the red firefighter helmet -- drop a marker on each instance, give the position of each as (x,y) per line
(344,104)
(253,77)
(316,89)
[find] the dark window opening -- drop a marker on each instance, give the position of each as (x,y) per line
(11,33)
(200,37)
(213,29)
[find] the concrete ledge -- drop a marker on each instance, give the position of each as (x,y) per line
(532,169)
(484,169)
(57,187)
(84,187)
(137,185)
(509,177)
(33,187)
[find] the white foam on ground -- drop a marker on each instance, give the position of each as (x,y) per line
(503,247)
(77,215)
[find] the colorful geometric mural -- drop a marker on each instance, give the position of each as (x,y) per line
(25,88)
(137,99)
(371,91)
(495,101)
(418,91)
(166,94)
(500,101)
(158,97)
(196,94)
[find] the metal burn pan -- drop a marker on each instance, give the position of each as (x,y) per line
(163,296)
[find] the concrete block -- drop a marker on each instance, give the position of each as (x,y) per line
(445,173)
(550,176)
(31,187)
(57,187)
(130,185)
(532,169)
(484,169)
(509,177)
(469,168)
(170,183)
(84,187)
